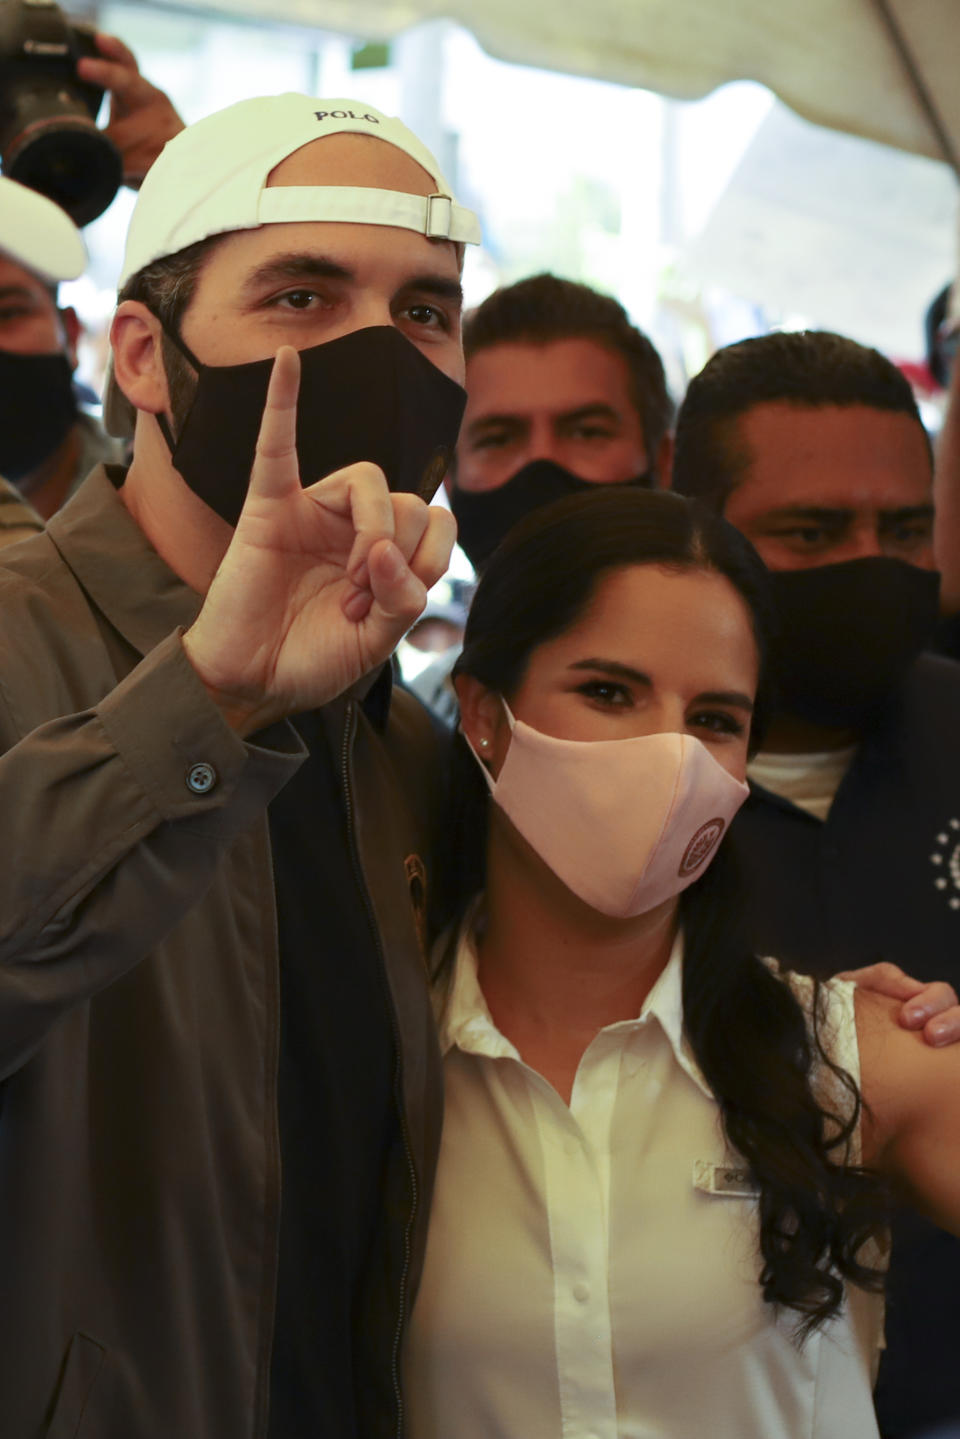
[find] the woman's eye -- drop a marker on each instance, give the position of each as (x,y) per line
(606,692)
(717,722)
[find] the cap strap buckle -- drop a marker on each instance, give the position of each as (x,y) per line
(439,218)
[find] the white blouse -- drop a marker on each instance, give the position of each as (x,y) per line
(591,1271)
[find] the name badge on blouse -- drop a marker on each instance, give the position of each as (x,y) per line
(726,1179)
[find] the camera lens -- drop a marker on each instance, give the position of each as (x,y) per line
(71,162)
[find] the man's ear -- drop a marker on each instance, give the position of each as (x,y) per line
(72,330)
(663,465)
(136,338)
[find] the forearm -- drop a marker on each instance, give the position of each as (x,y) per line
(114,833)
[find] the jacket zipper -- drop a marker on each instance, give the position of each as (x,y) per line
(349,731)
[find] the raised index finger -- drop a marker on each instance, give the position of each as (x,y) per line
(276,470)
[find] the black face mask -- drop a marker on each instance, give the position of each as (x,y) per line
(369,395)
(484,516)
(37,408)
(848,633)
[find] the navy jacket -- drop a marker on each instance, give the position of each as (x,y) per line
(880,879)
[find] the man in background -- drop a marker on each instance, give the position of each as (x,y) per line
(562,392)
(48,442)
(849,845)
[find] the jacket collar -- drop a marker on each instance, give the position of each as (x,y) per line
(466,1023)
(117,566)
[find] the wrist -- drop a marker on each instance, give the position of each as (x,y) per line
(245,711)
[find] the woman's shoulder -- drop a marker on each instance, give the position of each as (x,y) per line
(829,1005)
(830,1008)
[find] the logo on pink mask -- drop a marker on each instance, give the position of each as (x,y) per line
(702,845)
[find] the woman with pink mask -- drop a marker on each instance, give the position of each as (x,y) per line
(651,1219)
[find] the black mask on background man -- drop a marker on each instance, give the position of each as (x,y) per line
(847,635)
(37,408)
(484,516)
(370,395)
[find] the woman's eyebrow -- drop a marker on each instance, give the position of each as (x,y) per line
(613,667)
(726,697)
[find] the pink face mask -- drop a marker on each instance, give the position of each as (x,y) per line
(626,823)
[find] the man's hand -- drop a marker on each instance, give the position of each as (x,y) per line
(933,1007)
(142,118)
(318,584)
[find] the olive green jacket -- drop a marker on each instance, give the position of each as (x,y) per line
(139,1156)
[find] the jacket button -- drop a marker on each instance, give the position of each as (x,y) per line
(201,778)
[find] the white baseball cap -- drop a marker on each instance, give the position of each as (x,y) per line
(212,178)
(38,235)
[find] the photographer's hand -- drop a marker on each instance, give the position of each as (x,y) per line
(318,584)
(142,117)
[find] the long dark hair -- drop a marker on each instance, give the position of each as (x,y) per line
(749,1033)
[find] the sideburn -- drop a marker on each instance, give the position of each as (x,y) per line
(182,381)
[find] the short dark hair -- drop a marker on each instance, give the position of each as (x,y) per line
(806,368)
(167,285)
(544,308)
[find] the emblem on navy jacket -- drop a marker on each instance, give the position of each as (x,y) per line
(946,862)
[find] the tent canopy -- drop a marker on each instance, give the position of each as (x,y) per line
(887,70)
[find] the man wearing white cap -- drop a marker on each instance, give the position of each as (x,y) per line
(48,442)
(43,439)
(210,977)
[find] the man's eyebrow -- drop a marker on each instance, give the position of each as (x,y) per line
(442,286)
(621,671)
(295,266)
(17,292)
(907,512)
(597,410)
(495,422)
(812,514)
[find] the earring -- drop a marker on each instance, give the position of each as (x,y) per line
(484,744)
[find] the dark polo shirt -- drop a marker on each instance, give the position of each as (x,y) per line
(880,879)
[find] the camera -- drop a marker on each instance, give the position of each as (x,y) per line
(48,134)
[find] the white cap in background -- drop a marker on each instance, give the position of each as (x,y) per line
(37,234)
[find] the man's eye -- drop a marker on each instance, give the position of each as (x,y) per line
(492,440)
(14,312)
(806,535)
(918,533)
(591,432)
(428,317)
(297,299)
